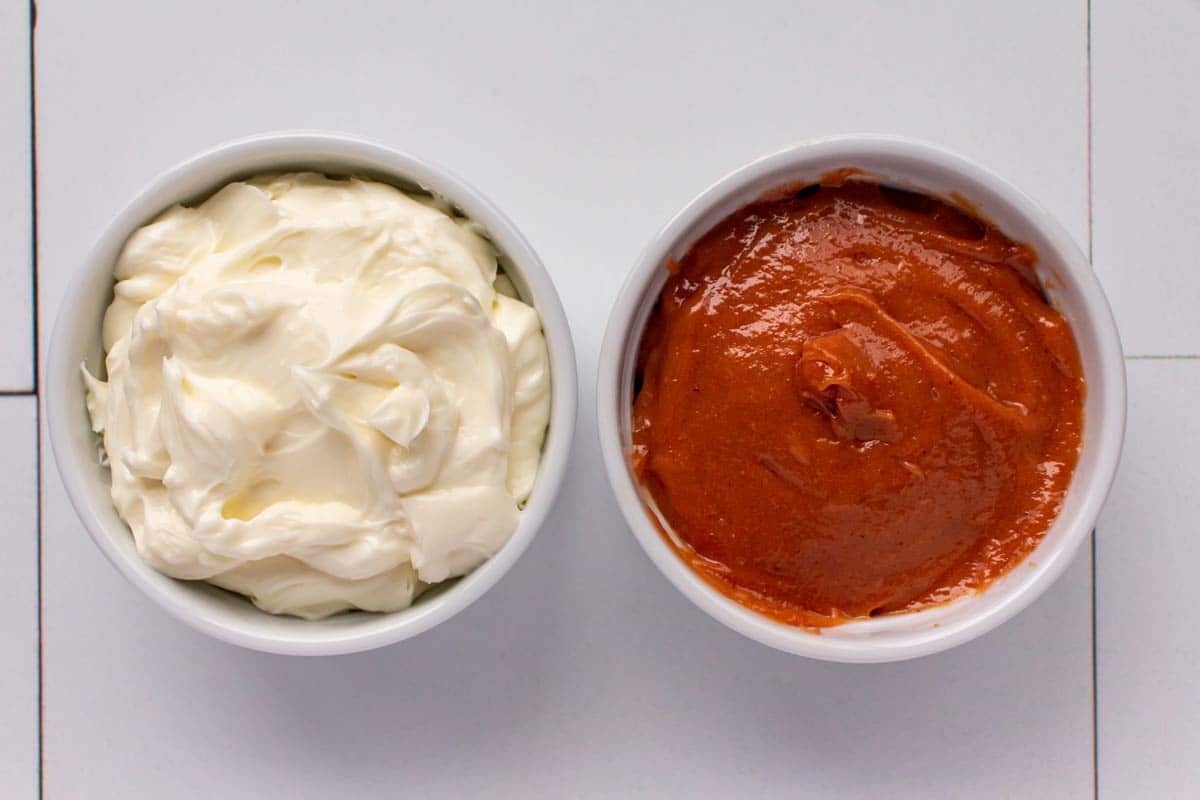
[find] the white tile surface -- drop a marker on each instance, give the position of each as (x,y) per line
(16,206)
(18,599)
(584,673)
(1148,643)
(1146,156)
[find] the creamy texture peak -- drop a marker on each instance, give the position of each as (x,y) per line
(320,394)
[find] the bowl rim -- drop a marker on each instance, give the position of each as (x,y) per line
(288,150)
(1022,587)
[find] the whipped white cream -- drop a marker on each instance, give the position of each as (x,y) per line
(321,394)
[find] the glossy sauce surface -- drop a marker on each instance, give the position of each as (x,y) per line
(854,400)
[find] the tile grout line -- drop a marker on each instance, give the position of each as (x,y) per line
(1162,358)
(33,194)
(1091,259)
(33,198)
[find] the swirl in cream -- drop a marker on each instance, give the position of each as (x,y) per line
(321,394)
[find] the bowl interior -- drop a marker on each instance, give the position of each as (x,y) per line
(1067,277)
(77,340)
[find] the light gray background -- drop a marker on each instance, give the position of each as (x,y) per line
(584,674)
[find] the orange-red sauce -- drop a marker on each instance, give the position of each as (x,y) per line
(855,400)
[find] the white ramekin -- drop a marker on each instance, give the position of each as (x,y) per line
(76,339)
(1073,289)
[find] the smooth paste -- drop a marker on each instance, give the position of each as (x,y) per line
(855,400)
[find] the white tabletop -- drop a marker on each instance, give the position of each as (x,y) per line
(584,674)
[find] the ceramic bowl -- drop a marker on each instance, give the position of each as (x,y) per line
(76,340)
(1072,288)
